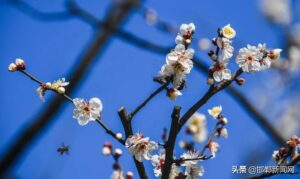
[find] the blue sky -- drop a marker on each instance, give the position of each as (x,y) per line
(121,75)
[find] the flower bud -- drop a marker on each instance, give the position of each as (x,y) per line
(119,136)
(107,147)
(48,85)
(214,57)
(129,175)
(210,81)
(118,152)
(173,93)
(20,64)
(182,144)
(223,132)
(188,41)
(106,151)
(61,90)
(240,81)
(274,54)
(214,41)
(12,67)
(223,121)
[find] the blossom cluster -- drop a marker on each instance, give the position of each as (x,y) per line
(219,70)
(58,86)
(18,65)
(249,58)
(179,61)
(256,58)
(197,127)
(291,149)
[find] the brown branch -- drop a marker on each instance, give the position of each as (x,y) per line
(177,123)
(99,121)
(206,97)
(110,132)
(126,122)
(139,107)
(266,175)
(116,16)
(169,145)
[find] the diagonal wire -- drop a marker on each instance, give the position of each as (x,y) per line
(115,17)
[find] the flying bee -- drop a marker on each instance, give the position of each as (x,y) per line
(63,149)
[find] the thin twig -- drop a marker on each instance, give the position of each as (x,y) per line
(206,97)
(116,16)
(99,121)
(110,132)
(139,107)
(169,145)
(201,153)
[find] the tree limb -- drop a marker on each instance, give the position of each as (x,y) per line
(126,122)
(169,145)
(139,107)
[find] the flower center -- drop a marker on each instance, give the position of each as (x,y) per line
(250,58)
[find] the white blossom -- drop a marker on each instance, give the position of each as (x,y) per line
(174,172)
(58,86)
(275,155)
(118,152)
(20,62)
(194,171)
(215,111)
(41,90)
(227,49)
(191,154)
(249,58)
(213,148)
(129,175)
(180,59)
(18,65)
(85,111)
(140,146)
(12,67)
(158,161)
(221,72)
(106,151)
(117,174)
(278,11)
(228,32)
(222,132)
(178,64)
(197,126)
(274,54)
(185,33)
(294,60)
